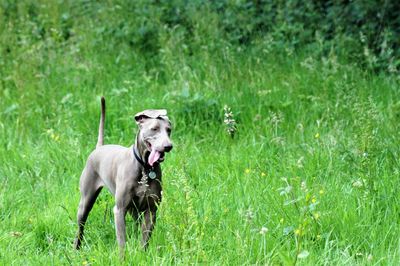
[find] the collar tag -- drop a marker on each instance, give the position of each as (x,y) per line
(152,174)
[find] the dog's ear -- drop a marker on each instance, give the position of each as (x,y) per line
(140,118)
(152,113)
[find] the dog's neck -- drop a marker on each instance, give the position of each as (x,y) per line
(141,148)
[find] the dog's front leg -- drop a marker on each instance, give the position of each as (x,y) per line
(147,226)
(122,200)
(119,216)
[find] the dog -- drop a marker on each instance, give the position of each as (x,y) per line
(133,175)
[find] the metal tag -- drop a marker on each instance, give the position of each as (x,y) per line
(152,175)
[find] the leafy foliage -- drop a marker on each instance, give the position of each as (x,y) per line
(367,32)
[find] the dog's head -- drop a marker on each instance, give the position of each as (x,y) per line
(155,132)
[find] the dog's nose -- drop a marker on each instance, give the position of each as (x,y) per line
(168,147)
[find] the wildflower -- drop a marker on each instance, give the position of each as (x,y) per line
(247,171)
(358,183)
(249,215)
(317,136)
(303,254)
(53,135)
(16,234)
(285,190)
(313,200)
(229,121)
(263,92)
(300,162)
(276,118)
(297,231)
(263,174)
(263,230)
(303,185)
(281,220)
(321,192)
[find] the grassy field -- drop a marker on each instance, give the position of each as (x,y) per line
(311,176)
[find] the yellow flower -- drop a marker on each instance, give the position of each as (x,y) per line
(316,136)
(297,232)
(53,135)
(247,171)
(314,200)
(263,174)
(321,192)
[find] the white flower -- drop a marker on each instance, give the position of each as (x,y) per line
(263,230)
(229,121)
(358,183)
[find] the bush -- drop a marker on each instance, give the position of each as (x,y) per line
(367,32)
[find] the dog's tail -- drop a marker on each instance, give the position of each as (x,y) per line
(101,126)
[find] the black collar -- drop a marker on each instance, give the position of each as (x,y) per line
(145,165)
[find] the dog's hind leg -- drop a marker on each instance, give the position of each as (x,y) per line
(90,187)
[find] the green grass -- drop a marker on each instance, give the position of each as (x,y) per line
(313,168)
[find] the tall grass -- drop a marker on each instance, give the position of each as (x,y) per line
(310,176)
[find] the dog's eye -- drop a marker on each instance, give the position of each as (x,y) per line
(168,131)
(154,128)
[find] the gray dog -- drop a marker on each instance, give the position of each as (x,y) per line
(133,175)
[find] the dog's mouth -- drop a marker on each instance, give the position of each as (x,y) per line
(162,156)
(155,156)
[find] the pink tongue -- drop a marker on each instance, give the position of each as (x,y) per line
(153,157)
